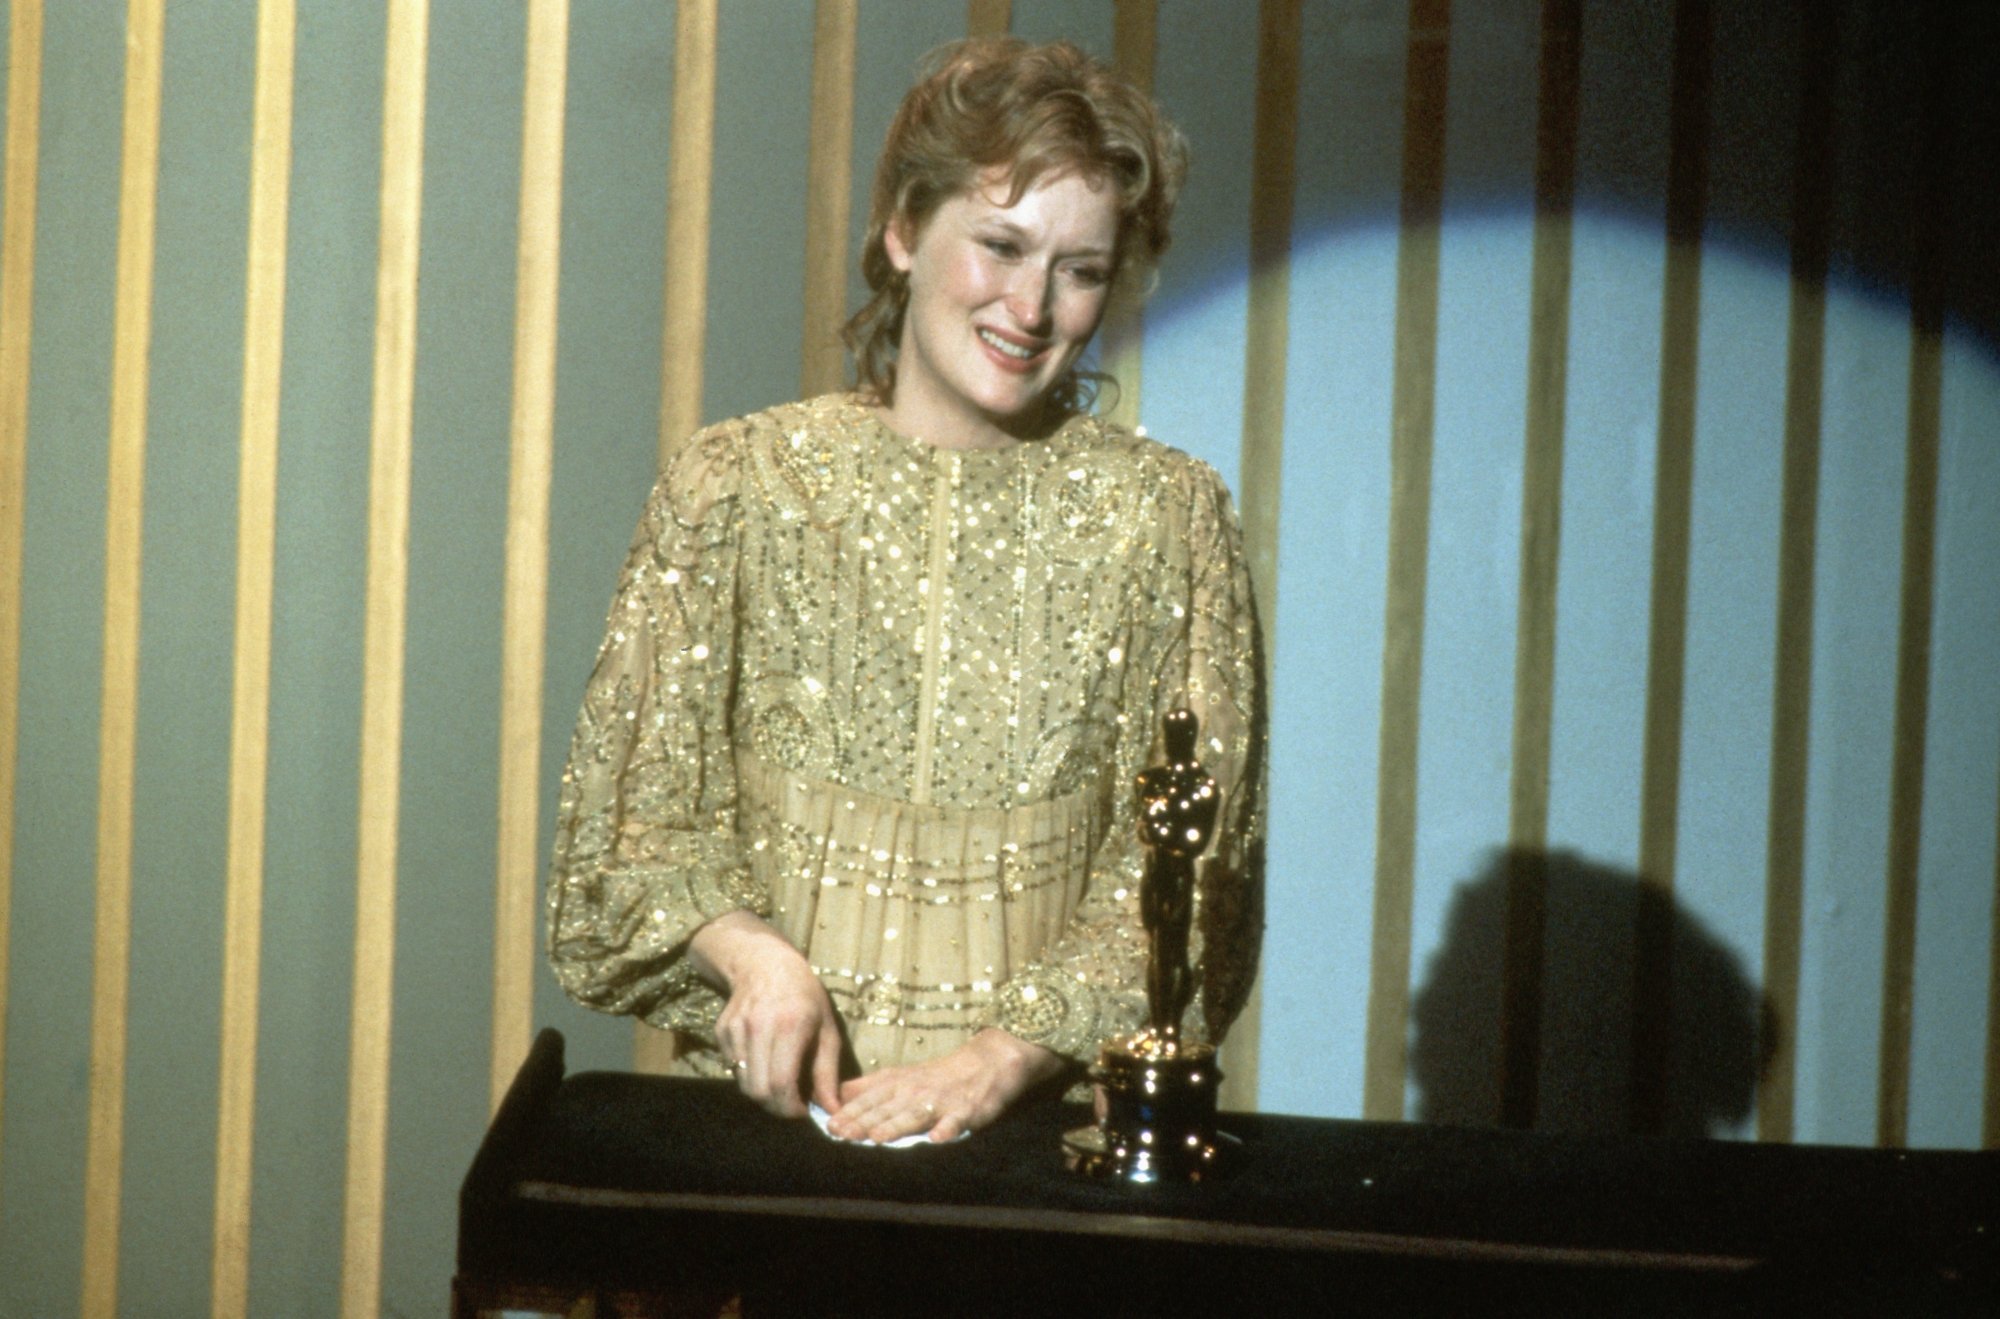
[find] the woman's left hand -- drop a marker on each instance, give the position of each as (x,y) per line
(962,1091)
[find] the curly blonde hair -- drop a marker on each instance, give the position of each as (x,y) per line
(1001,103)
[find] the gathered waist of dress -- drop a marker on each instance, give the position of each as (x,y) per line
(942,838)
(912,914)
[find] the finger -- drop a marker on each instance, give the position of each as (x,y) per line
(756,1071)
(781,1098)
(783,1077)
(731,1052)
(862,1112)
(727,1042)
(848,1120)
(738,1047)
(906,1119)
(774,1068)
(949,1127)
(870,1089)
(826,1068)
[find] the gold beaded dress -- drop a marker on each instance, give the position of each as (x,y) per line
(893,698)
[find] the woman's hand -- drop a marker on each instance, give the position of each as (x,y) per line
(962,1091)
(778,1029)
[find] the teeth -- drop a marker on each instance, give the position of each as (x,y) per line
(1012,350)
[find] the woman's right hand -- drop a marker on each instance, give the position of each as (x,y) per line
(778,1029)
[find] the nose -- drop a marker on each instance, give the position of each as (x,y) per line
(1028,296)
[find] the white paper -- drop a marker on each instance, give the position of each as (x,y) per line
(821,1117)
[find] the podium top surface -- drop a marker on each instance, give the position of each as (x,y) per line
(609,1144)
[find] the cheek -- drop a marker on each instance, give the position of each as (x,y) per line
(968,278)
(1079,313)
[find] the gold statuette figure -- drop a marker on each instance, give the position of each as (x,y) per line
(1155,1095)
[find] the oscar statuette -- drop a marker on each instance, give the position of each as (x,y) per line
(1155,1093)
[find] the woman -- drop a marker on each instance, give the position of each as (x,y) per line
(850,800)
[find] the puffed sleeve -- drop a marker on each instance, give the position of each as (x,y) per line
(1090,986)
(646,849)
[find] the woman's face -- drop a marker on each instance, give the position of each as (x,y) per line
(1002,300)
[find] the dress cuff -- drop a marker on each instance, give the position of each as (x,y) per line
(713,893)
(1060,1012)
(686,1002)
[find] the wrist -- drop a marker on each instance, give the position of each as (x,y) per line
(725,947)
(1024,1062)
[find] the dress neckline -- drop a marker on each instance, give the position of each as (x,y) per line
(860,410)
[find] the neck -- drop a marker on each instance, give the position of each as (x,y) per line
(942,430)
(907,413)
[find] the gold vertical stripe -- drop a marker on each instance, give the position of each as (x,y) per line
(688,186)
(1928,299)
(1541,538)
(525,605)
(1542,451)
(1274,148)
(822,366)
(124,526)
(989,18)
(1413,407)
(1791,691)
(256,517)
(382,654)
(1659,810)
(1134,42)
(1906,780)
(17,311)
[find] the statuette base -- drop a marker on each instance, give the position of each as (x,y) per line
(1155,1101)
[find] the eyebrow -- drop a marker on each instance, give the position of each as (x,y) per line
(1014,230)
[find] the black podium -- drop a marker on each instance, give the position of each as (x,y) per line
(661,1195)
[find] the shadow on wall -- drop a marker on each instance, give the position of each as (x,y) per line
(1549,1042)
(1909,86)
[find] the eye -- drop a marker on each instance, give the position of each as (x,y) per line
(1089,276)
(1004,248)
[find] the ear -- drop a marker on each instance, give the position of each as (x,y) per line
(899,243)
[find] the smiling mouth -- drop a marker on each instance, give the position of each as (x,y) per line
(1013,350)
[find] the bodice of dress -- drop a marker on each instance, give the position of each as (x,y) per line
(893,697)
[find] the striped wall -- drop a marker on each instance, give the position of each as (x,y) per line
(1610,392)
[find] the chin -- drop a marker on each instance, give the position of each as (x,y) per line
(1020,418)
(1005,408)
(1012,404)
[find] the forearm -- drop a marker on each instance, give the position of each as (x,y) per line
(725,949)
